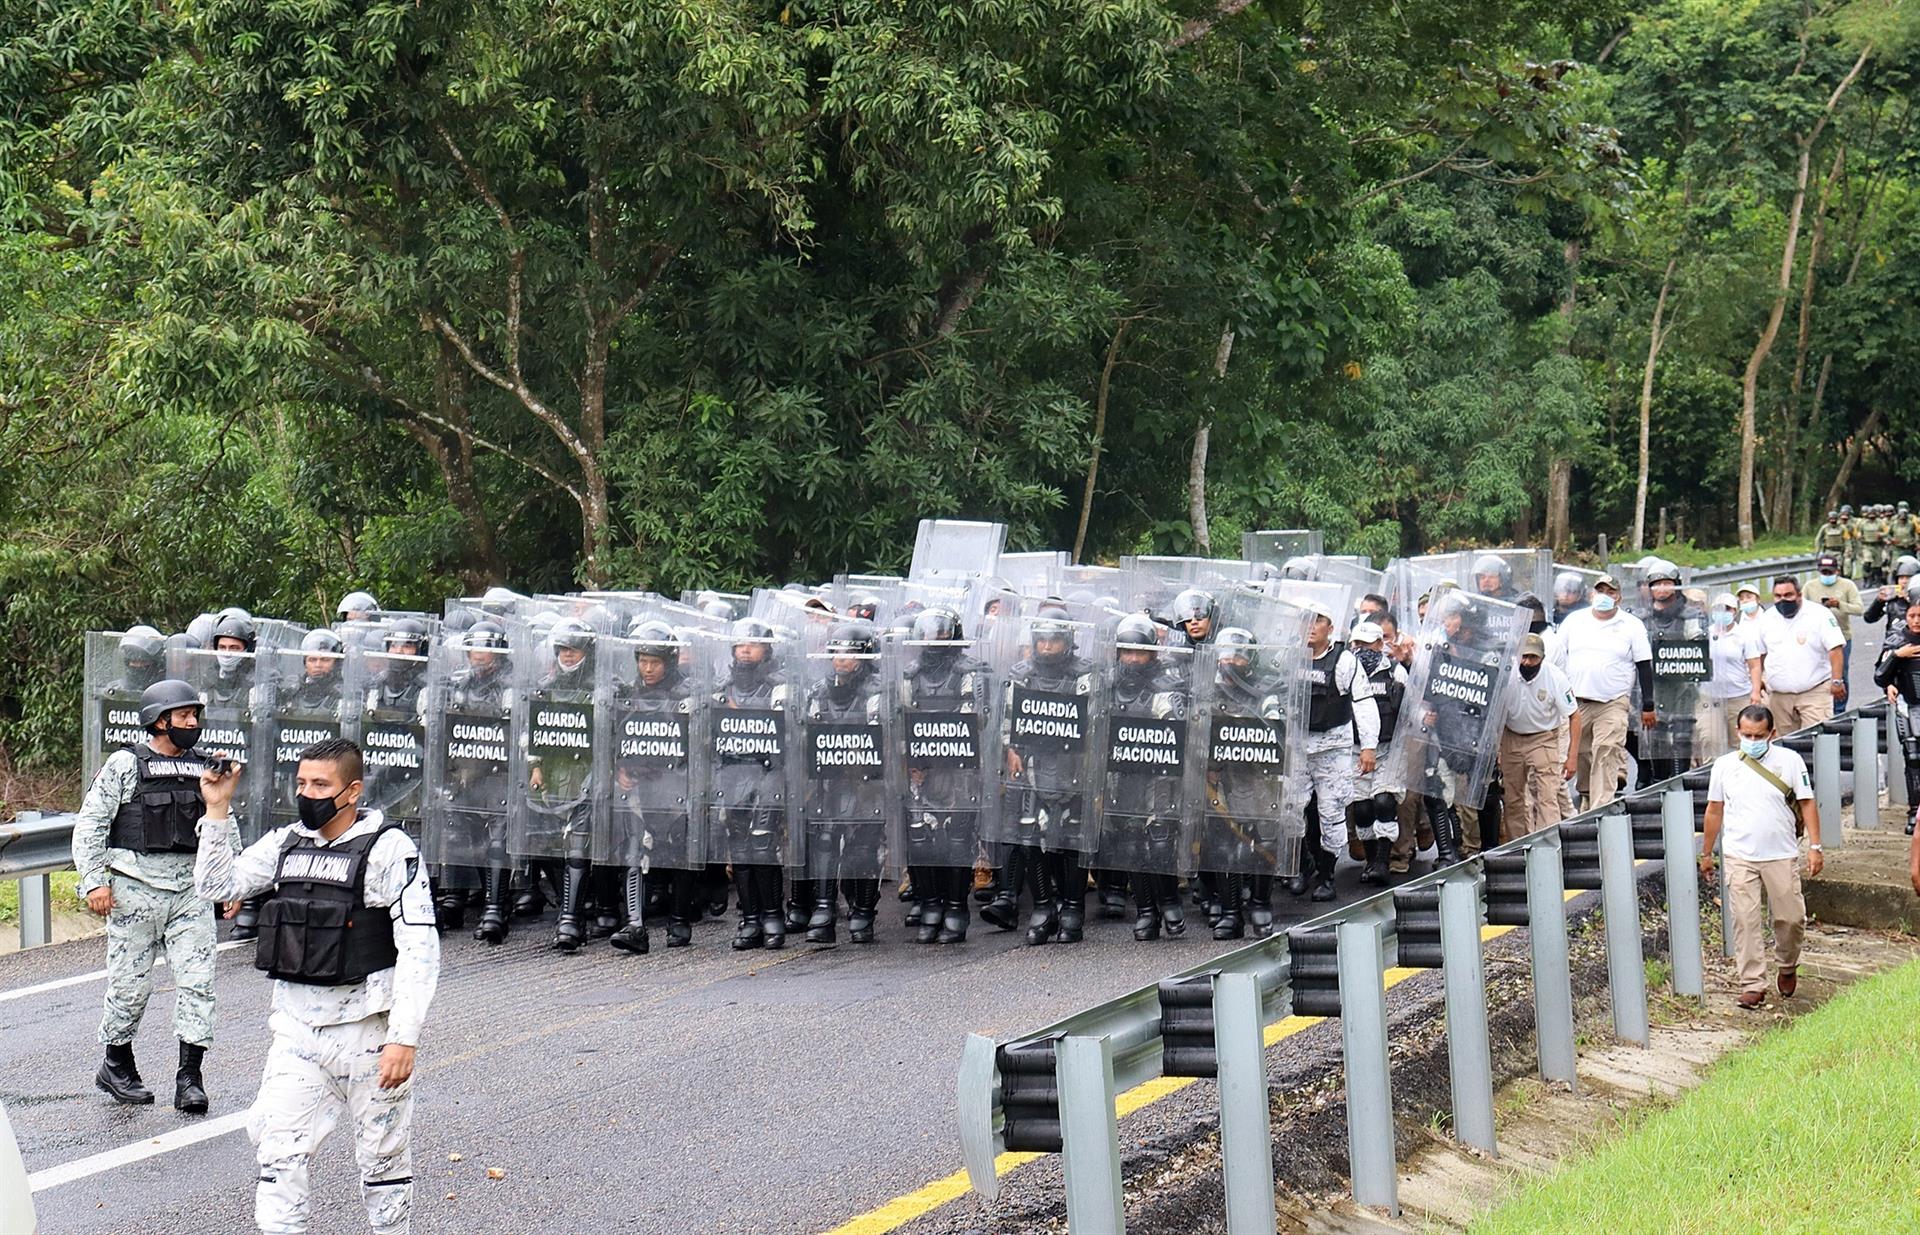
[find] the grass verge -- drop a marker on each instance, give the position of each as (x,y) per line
(1810,1129)
(1771,546)
(65,895)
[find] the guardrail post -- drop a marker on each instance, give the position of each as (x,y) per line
(1464,965)
(1246,1132)
(1896,763)
(1626,965)
(1866,773)
(1683,894)
(36,911)
(1363,1032)
(1726,902)
(1089,1136)
(1552,979)
(1826,786)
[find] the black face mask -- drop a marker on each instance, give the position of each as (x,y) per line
(1537,625)
(1786,608)
(315,812)
(184,739)
(1529,672)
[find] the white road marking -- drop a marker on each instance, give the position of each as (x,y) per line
(98,974)
(112,1159)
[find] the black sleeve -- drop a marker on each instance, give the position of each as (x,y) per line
(1876,610)
(1887,668)
(1645,668)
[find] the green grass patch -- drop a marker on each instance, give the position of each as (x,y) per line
(1689,554)
(66,895)
(1813,1128)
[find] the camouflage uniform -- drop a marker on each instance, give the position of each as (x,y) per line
(154,909)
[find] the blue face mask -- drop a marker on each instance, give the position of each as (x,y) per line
(1602,603)
(1722,618)
(1750,607)
(1829,580)
(1754,748)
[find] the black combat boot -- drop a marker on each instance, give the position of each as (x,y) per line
(766,897)
(606,902)
(1323,867)
(498,882)
(954,919)
(1073,898)
(529,899)
(750,934)
(1446,831)
(1259,908)
(1146,911)
(1375,871)
(121,1079)
(633,936)
(932,907)
(189,1090)
(826,910)
(683,908)
(863,908)
(1112,888)
(450,911)
(1003,911)
(800,905)
(1228,925)
(567,935)
(1045,922)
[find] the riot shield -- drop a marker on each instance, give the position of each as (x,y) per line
(657,749)
(1337,598)
(850,791)
(1359,579)
(1275,546)
(1682,661)
(118,666)
(1147,804)
(948,740)
(1051,726)
(1447,742)
(470,747)
(386,683)
(233,723)
(750,790)
(1570,591)
(1102,586)
(956,550)
(871,598)
(1506,574)
(1030,573)
(1251,712)
(309,704)
(559,753)
(700,598)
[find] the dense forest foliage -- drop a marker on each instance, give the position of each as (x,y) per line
(419,295)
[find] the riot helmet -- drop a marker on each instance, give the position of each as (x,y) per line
(1053,639)
(235,628)
(572,642)
(406,633)
(752,647)
(183,642)
(1907,566)
(142,650)
(1136,646)
(1235,652)
(1493,574)
(656,650)
(163,697)
(486,648)
(201,628)
(356,607)
(320,653)
(1195,607)
(864,606)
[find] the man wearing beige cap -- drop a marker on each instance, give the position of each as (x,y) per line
(1539,702)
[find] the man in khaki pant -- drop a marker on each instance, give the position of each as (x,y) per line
(1532,766)
(1801,651)
(1603,650)
(1755,794)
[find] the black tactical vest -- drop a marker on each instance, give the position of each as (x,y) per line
(165,806)
(1329,708)
(315,925)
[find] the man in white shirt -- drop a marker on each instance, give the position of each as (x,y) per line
(1604,650)
(1755,794)
(350,990)
(1799,647)
(1535,742)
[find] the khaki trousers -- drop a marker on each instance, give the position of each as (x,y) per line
(1780,880)
(1530,765)
(1795,710)
(1603,749)
(1415,833)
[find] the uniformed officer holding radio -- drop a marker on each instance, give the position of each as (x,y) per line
(347,933)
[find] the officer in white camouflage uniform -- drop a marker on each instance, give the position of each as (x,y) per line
(350,993)
(133,846)
(1341,716)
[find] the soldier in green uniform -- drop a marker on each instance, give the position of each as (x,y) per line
(1831,536)
(1850,556)
(1903,535)
(133,845)
(1873,539)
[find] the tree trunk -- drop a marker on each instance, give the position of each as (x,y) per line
(480,565)
(1750,380)
(1559,530)
(1197,461)
(1851,459)
(1654,339)
(1099,433)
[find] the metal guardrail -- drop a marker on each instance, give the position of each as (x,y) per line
(1053,1090)
(32,847)
(1760,571)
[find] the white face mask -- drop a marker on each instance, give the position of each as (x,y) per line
(229,661)
(1602,603)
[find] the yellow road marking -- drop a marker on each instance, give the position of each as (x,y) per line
(924,1200)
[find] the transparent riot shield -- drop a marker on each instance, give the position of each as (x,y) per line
(871,598)
(948,740)
(1275,546)
(956,550)
(118,666)
(470,748)
(851,793)
(386,685)
(657,749)
(1414,581)
(1447,741)
(1030,573)
(560,769)
(700,598)
(1100,586)
(1336,598)
(751,785)
(1359,580)
(793,614)
(234,722)
(1250,712)
(1051,726)
(1682,663)
(308,705)
(1506,574)
(1570,591)
(1148,806)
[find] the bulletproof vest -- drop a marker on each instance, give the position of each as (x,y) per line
(165,805)
(397,693)
(1388,694)
(230,691)
(1902,531)
(315,926)
(1906,673)
(633,735)
(1681,621)
(1329,707)
(322,695)
(952,685)
(1833,535)
(471,691)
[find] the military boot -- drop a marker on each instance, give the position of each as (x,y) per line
(189,1090)
(120,1078)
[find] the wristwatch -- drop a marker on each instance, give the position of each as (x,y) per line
(1816,848)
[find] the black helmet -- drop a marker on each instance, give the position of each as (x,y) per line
(1052,622)
(717,609)
(321,643)
(1236,643)
(1193,604)
(236,626)
(163,697)
(1137,629)
(182,642)
(142,643)
(852,639)
(485,637)
(233,611)
(356,602)
(1495,565)
(201,628)
(407,630)
(936,625)
(1660,570)
(572,634)
(751,630)
(864,605)
(653,637)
